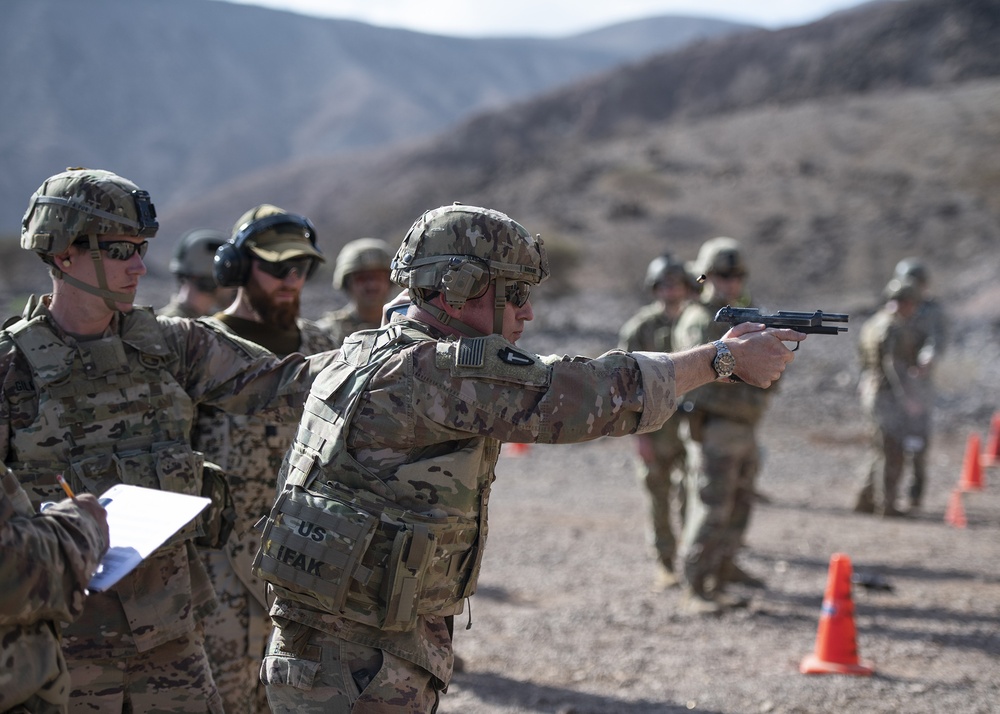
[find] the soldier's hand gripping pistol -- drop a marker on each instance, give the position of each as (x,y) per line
(811,323)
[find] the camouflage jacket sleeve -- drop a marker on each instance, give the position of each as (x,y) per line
(488,387)
(46,559)
(222,370)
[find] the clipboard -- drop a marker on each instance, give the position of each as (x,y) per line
(140,521)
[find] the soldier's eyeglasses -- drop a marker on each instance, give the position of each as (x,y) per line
(280,270)
(120,249)
(518,293)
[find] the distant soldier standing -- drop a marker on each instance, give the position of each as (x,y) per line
(192,265)
(47,561)
(891,391)
(362,271)
(105,393)
(720,437)
(274,252)
(930,322)
(377,534)
(661,452)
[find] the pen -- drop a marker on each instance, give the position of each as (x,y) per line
(65,486)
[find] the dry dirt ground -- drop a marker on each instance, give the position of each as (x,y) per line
(566,620)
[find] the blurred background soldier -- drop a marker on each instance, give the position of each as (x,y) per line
(279,251)
(661,452)
(891,390)
(377,535)
(931,323)
(106,393)
(720,438)
(362,271)
(192,264)
(47,561)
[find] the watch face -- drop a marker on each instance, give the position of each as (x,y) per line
(724,362)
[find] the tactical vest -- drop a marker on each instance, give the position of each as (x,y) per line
(338,541)
(110,411)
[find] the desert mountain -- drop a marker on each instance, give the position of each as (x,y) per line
(182,95)
(832,149)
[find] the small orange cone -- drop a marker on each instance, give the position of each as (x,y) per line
(955,514)
(516,449)
(836,639)
(972,470)
(991,456)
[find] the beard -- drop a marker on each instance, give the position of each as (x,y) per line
(280,315)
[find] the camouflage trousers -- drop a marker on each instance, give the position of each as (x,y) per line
(311,672)
(883,476)
(722,470)
(235,638)
(173,677)
(662,472)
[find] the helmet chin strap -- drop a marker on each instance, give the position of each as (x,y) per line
(445,319)
(499,304)
(110,297)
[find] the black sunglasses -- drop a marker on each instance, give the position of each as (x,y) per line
(119,249)
(518,293)
(280,270)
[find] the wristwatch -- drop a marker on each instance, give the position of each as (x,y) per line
(724,362)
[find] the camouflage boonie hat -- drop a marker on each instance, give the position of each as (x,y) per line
(194,253)
(721,256)
(361,254)
(81,202)
(459,250)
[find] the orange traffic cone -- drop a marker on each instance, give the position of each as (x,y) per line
(972,470)
(836,643)
(954,515)
(516,449)
(991,457)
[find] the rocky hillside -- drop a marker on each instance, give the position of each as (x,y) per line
(182,95)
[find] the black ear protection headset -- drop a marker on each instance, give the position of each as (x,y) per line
(233,259)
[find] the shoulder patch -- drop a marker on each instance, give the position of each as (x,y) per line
(512,356)
(471,352)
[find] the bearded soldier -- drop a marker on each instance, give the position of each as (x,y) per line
(103,393)
(377,534)
(267,259)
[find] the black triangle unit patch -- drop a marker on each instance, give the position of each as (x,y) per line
(509,356)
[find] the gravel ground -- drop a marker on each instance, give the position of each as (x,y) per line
(566,619)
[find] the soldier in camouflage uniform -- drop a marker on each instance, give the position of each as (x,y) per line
(891,394)
(721,442)
(104,394)
(661,452)
(362,271)
(192,264)
(47,561)
(250,448)
(930,323)
(378,531)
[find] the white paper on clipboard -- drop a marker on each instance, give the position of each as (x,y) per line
(140,520)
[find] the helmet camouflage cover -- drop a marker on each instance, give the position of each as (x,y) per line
(662,266)
(912,269)
(458,250)
(721,256)
(85,202)
(194,253)
(361,254)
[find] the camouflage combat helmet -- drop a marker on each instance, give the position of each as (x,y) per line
(361,254)
(721,256)
(912,269)
(459,250)
(194,254)
(82,204)
(662,266)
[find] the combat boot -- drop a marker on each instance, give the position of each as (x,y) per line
(730,572)
(695,603)
(666,578)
